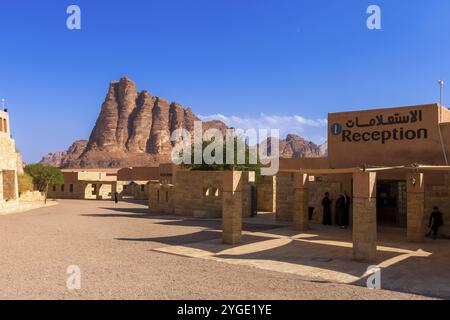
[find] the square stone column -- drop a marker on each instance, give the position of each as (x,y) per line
(232,206)
(300,213)
(16,187)
(364,216)
(415,198)
(1,186)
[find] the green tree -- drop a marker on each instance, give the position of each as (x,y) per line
(246,166)
(43,176)
(25,182)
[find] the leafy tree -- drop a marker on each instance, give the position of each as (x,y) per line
(25,182)
(246,166)
(44,175)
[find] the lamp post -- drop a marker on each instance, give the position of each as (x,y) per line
(441,88)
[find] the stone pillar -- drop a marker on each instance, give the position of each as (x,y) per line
(300,213)
(16,185)
(1,186)
(364,216)
(416,224)
(232,206)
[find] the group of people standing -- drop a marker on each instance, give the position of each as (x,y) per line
(342,214)
(342,210)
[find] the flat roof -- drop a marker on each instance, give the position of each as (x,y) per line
(420,106)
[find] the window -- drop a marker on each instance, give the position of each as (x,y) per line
(167,196)
(125,187)
(5,125)
(157,195)
(142,188)
(54,188)
(71,187)
(1,124)
(62,188)
(94,189)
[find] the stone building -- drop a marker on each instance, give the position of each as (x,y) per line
(86,184)
(101,184)
(135,180)
(394,164)
(8,162)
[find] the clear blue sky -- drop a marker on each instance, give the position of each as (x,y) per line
(244,59)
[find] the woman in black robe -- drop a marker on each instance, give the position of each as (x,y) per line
(345,220)
(326,204)
(339,210)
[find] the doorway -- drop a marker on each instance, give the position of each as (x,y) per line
(391,203)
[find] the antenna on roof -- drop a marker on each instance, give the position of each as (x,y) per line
(441,91)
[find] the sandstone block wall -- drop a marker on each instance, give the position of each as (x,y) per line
(196,194)
(266,187)
(364,229)
(8,163)
(234,187)
(161,198)
(32,196)
(316,191)
(82,190)
(438,195)
(284,196)
(364,216)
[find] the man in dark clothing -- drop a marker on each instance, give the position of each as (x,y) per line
(326,204)
(339,210)
(345,220)
(436,221)
(116,197)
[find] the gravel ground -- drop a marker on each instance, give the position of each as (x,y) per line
(112,246)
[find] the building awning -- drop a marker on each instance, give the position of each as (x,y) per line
(414,167)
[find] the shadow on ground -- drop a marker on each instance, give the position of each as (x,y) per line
(322,254)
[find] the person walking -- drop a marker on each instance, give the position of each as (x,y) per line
(326,204)
(116,197)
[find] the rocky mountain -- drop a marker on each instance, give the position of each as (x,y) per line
(295,146)
(63,158)
(132,129)
(324,149)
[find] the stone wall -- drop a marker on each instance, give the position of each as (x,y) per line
(82,190)
(140,190)
(67,191)
(31,196)
(439,195)
(316,192)
(196,194)
(284,196)
(8,163)
(160,198)
(266,192)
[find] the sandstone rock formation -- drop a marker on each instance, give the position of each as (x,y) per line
(62,158)
(133,129)
(295,146)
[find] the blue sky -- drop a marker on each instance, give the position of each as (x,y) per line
(287,63)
